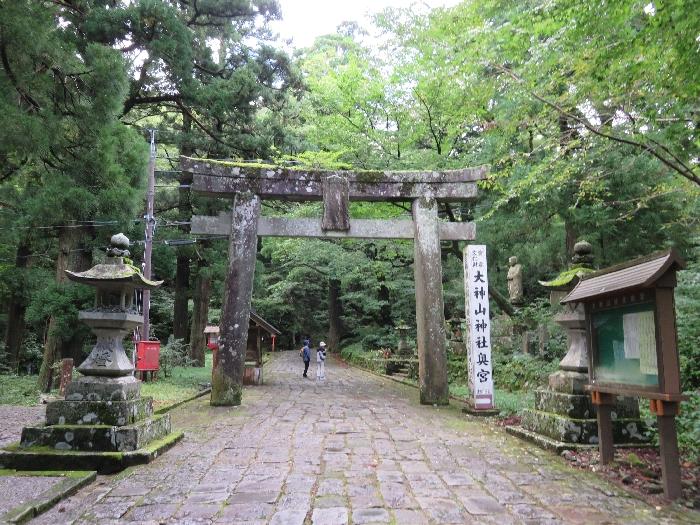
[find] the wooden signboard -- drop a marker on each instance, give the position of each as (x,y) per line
(632,349)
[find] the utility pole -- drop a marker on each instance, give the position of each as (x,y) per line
(150,226)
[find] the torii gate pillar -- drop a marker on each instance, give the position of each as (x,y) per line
(430,326)
(227,376)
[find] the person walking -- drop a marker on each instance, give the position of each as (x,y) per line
(321,361)
(306,356)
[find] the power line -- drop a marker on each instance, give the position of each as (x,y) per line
(166,242)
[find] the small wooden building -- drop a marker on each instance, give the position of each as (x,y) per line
(261,336)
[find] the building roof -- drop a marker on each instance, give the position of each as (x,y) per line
(631,275)
(263,324)
(255,318)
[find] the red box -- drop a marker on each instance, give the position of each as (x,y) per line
(147,355)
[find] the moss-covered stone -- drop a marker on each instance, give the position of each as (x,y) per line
(113,413)
(224,390)
(582,431)
(44,457)
(97,437)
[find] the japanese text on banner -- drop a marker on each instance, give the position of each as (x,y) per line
(478,323)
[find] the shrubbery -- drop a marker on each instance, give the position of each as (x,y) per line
(174,353)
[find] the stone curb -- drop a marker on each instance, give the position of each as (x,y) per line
(103,462)
(74,480)
(168,408)
(399,381)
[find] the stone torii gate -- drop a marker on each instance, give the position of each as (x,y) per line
(247,184)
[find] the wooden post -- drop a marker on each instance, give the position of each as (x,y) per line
(227,377)
(668,446)
(603,403)
(430,317)
(66,375)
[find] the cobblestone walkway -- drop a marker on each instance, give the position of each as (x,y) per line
(13,418)
(356,449)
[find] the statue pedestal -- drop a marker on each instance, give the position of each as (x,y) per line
(564,417)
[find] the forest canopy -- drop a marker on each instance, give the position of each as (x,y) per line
(587,114)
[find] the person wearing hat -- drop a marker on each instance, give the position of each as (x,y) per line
(321,361)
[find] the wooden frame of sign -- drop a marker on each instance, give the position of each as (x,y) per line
(632,348)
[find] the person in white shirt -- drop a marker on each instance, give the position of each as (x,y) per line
(321,361)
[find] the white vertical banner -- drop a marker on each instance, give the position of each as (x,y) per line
(476,302)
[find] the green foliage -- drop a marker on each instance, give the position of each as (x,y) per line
(688,428)
(174,354)
(539,313)
(521,372)
(182,383)
(18,390)
(687,308)
(382,338)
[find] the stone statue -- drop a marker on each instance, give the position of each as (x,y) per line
(515,281)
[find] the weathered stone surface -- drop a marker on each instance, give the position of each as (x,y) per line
(226,447)
(94,388)
(430,320)
(362,516)
(359,228)
(97,437)
(227,376)
(115,413)
(581,431)
(336,192)
(272,182)
(568,382)
(580,406)
(330,516)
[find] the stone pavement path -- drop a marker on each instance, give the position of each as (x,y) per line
(356,449)
(13,418)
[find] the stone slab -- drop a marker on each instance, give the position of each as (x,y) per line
(46,488)
(118,413)
(96,388)
(309,227)
(579,406)
(97,438)
(582,431)
(40,458)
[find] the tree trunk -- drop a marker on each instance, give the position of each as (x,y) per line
(182,283)
(200,314)
(15,314)
(502,301)
(66,240)
(570,238)
(335,311)
(182,272)
(79,261)
(385,309)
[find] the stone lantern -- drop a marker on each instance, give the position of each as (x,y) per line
(403,350)
(115,314)
(103,424)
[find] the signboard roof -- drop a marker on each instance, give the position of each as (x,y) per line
(635,274)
